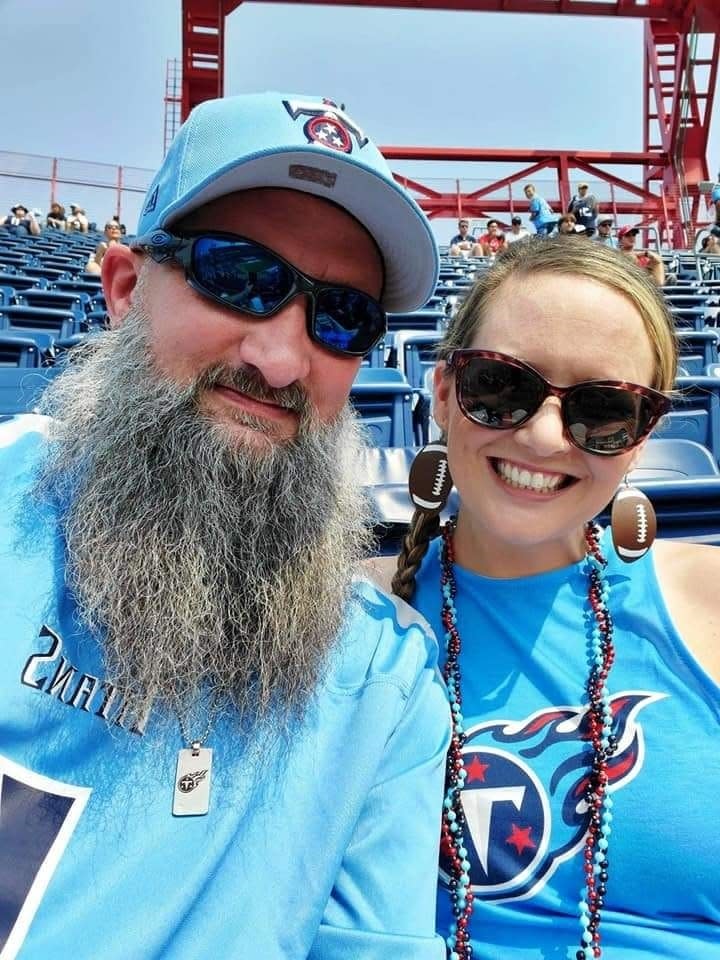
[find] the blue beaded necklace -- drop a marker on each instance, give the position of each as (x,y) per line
(598,724)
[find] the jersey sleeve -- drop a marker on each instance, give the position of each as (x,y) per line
(383,900)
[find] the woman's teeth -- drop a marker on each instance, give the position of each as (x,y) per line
(528,480)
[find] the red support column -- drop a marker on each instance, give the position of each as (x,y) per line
(203,41)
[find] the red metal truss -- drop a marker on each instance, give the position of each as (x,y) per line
(203,30)
(678,92)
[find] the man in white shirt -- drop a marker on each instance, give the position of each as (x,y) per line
(517,231)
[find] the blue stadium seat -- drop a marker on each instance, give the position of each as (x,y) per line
(73,301)
(417,320)
(47,273)
(20,389)
(91,287)
(41,324)
(19,352)
(382,398)
(16,261)
(21,281)
(698,349)
(7,295)
(414,353)
(695,412)
(680,459)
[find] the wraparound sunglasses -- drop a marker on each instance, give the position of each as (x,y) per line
(603,417)
(254,280)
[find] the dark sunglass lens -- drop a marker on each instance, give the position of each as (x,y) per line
(497,394)
(348,320)
(244,276)
(607,419)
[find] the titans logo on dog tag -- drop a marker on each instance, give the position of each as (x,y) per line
(192,782)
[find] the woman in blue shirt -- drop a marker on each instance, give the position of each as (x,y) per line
(583,770)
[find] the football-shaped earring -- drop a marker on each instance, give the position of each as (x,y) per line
(632,523)
(430,482)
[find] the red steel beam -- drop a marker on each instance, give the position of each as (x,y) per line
(494,155)
(665,9)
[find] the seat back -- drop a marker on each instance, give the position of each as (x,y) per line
(695,413)
(382,398)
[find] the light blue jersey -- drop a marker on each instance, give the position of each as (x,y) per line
(326,849)
(541,214)
(524,664)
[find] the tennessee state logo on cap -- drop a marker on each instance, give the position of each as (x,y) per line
(328,125)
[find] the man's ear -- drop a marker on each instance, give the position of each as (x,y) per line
(120,273)
(442,385)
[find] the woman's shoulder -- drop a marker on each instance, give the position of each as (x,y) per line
(693,566)
(689,578)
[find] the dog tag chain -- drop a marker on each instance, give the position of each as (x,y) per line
(193,777)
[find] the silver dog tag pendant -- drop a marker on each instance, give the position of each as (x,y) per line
(192,782)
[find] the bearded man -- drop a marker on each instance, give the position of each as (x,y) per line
(216,739)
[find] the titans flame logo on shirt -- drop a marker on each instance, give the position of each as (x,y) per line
(523,796)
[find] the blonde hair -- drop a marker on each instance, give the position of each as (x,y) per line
(590,261)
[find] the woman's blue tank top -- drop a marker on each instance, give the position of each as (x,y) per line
(524,665)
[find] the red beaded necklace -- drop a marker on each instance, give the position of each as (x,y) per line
(598,726)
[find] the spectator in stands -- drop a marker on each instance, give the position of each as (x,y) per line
(112,235)
(647,259)
(568,227)
(710,245)
(541,214)
(517,231)
(189,570)
(491,242)
(715,201)
(77,219)
(21,222)
(463,241)
(534,598)
(604,232)
(56,218)
(585,209)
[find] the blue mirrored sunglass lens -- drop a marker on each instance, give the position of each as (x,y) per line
(244,276)
(348,320)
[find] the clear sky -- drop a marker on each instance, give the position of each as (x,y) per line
(85,79)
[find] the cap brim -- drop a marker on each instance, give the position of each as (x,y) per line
(387,212)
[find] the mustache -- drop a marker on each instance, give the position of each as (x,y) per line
(251,382)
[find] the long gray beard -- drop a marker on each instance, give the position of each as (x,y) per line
(206,565)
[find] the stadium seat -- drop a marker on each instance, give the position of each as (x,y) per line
(47,273)
(418,320)
(382,398)
(21,281)
(698,349)
(76,302)
(91,287)
(414,353)
(19,352)
(20,389)
(41,324)
(695,412)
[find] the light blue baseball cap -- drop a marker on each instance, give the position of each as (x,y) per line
(299,143)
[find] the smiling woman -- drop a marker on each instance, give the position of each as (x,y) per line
(548,385)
